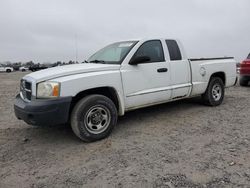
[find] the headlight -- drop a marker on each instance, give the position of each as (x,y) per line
(48,90)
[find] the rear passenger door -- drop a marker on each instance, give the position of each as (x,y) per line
(179,71)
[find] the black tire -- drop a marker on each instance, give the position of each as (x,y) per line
(80,118)
(23,70)
(8,70)
(244,82)
(208,97)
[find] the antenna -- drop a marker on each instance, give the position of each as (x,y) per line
(76,48)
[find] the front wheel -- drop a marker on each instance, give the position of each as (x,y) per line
(214,94)
(93,118)
(8,70)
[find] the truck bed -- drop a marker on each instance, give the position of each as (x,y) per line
(203,68)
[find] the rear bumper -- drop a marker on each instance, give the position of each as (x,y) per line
(43,112)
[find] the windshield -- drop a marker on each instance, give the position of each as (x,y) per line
(113,53)
(248,57)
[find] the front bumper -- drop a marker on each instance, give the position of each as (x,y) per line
(245,77)
(43,112)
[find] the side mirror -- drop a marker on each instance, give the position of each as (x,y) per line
(139,59)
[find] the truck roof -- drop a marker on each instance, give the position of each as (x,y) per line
(153,38)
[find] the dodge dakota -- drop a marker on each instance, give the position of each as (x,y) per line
(118,78)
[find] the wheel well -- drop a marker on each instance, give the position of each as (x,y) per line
(220,75)
(106,91)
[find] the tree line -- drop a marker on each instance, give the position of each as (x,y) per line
(29,64)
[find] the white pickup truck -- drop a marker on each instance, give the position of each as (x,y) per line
(120,77)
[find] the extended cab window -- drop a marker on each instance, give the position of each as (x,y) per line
(174,50)
(152,49)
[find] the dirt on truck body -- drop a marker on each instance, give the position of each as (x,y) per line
(180,144)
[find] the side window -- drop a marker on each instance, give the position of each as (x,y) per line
(174,50)
(153,49)
(248,57)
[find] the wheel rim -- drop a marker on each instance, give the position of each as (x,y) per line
(97,119)
(216,92)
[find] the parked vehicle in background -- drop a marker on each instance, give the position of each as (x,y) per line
(120,77)
(23,69)
(245,71)
(6,69)
(37,67)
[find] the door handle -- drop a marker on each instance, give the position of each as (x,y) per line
(162,70)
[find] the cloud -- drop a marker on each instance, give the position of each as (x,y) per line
(46,30)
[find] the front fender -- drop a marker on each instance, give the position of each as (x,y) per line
(74,84)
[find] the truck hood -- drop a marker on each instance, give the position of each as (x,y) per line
(66,70)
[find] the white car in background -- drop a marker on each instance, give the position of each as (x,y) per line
(23,69)
(6,69)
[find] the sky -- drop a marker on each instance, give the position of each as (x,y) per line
(63,30)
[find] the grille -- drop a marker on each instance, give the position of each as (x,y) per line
(25,90)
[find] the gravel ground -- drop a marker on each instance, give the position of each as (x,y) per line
(179,144)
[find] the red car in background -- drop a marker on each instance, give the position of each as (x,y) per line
(245,71)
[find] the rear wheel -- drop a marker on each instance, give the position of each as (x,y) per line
(243,82)
(8,70)
(214,94)
(93,118)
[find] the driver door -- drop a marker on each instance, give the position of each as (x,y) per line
(147,83)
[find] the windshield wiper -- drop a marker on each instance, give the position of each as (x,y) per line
(97,61)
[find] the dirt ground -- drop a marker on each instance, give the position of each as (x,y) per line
(179,144)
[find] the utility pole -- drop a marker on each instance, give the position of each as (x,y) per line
(76,48)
